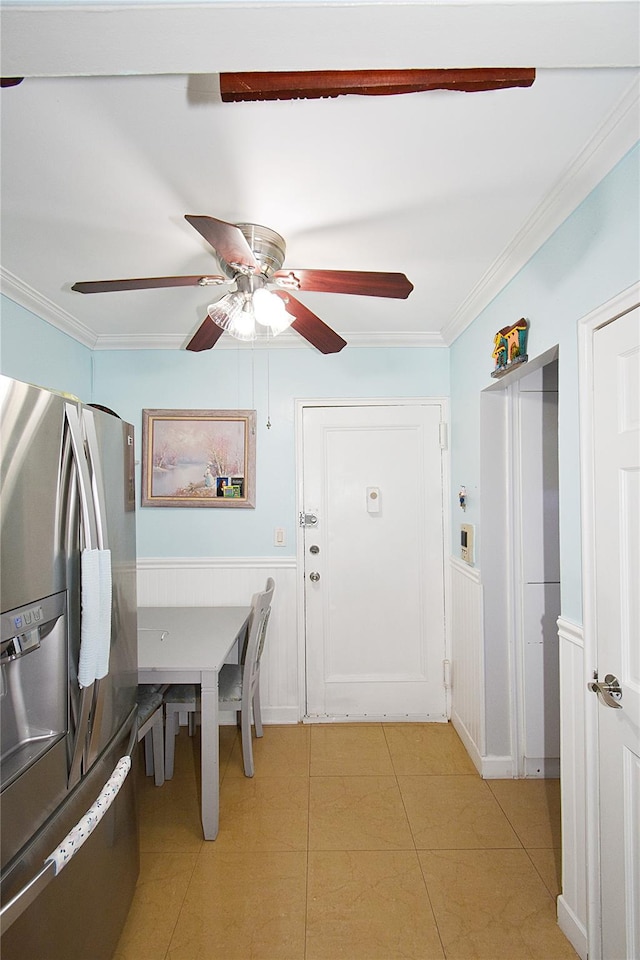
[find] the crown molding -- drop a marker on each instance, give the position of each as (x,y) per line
(608,145)
(24,295)
(285,341)
(29,298)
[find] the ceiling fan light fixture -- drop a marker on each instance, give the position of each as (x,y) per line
(234,315)
(271,312)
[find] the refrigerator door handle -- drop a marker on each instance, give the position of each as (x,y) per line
(99,507)
(89,526)
(75,768)
(18,904)
(84,480)
(60,857)
(96,721)
(98,482)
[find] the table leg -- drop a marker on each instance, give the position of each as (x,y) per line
(209,761)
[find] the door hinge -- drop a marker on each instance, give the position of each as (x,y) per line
(443,434)
(446,673)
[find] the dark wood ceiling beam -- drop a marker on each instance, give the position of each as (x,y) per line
(312,84)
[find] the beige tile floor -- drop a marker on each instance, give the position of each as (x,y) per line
(352,842)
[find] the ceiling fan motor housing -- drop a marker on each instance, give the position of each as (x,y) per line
(267,246)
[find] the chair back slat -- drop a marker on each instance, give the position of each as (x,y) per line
(261,610)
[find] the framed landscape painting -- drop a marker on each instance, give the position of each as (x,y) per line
(198,458)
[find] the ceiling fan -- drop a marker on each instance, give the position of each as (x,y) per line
(251,257)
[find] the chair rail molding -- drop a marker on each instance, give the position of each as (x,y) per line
(211,563)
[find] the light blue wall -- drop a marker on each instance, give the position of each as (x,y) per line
(591,257)
(594,255)
(128,381)
(36,352)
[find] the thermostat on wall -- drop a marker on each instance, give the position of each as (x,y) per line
(466,542)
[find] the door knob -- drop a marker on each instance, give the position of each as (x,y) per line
(608,690)
(314,577)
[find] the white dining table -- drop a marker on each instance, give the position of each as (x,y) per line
(189,645)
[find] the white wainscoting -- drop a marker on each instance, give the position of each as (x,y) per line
(572,903)
(467,656)
(204,581)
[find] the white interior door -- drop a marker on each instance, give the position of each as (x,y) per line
(617,564)
(374,561)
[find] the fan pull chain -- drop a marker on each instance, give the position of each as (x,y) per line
(253,378)
(268,393)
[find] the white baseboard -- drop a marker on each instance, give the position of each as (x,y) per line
(280,715)
(270,715)
(375,718)
(467,740)
(489,767)
(572,928)
(497,768)
(542,768)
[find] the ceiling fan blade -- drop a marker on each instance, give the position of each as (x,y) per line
(206,336)
(311,84)
(226,239)
(362,282)
(146,283)
(310,327)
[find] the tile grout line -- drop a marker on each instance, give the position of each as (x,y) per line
(184,897)
(416,851)
(306,893)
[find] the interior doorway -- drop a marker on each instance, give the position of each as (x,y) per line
(521,557)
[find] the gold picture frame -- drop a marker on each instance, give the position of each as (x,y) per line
(198,458)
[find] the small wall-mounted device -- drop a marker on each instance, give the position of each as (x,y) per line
(462,497)
(373,500)
(466,542)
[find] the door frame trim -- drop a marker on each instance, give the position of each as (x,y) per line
(507,616)
(611,310)
(300,405)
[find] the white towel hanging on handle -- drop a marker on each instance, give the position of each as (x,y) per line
(104,646)
(95,630)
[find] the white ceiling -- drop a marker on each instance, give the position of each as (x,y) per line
(455,190)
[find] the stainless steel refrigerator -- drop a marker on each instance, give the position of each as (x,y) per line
(68,662)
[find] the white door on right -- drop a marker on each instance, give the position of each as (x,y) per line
(616,374)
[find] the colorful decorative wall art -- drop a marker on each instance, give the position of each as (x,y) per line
(510,347)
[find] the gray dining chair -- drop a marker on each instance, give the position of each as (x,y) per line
(239,683)
(151,729)
(181,699)
(238,688)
